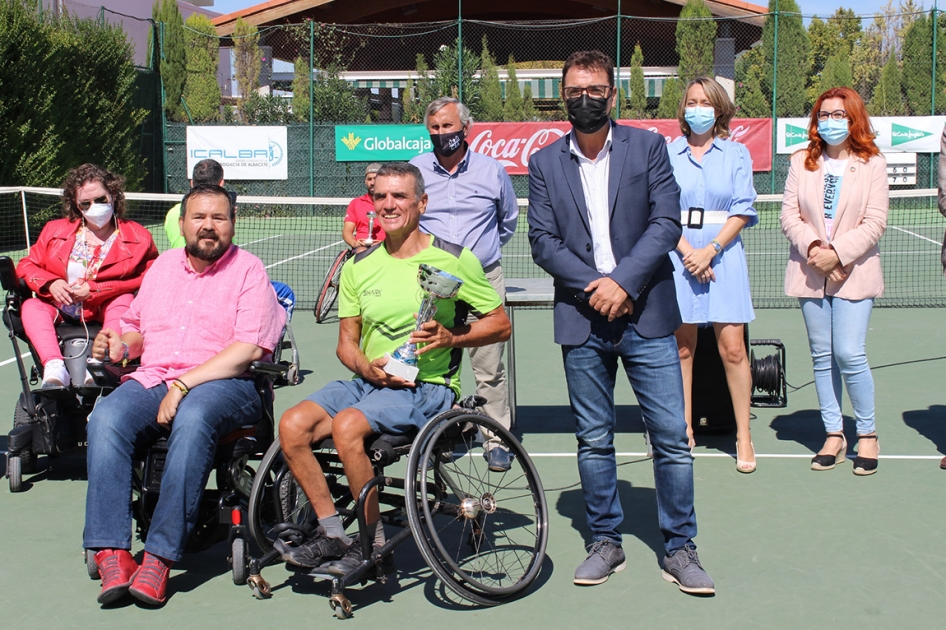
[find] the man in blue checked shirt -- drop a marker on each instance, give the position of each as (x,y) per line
(471,203)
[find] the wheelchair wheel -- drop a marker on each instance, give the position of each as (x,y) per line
(90,565)
(239,561)
(482,533)
(15,473)
(329,290)
(275,498)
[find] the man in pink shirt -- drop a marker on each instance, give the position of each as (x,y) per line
(356,226)
(202,315)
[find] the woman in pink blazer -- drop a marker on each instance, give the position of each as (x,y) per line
(834,212)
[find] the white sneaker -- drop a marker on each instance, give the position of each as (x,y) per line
(55,374)
(88,381)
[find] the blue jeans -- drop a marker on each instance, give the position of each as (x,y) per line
(837,336)
(125,421)
(653,369)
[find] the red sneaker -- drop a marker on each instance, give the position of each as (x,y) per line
(151,581)
(117,569)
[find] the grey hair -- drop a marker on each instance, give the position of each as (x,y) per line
(435,106)
(402,169)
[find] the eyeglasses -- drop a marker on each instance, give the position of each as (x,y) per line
(838,114)
(594,91)
(85,205)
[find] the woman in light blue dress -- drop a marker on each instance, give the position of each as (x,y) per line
(711,276)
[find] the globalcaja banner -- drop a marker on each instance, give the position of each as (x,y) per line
(911,134)
(514,143)
(380,143)
(244,152)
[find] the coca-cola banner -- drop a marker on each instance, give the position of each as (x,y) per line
(513,143)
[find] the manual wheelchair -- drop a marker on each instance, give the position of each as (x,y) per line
(482,533)
(329,289)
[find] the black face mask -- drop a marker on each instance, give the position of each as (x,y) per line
(587,114)
(446,144)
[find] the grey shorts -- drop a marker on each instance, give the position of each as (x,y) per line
(395,411)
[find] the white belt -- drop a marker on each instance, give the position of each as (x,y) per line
(710,217)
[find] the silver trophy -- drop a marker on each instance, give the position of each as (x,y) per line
(436,285)
(371,217)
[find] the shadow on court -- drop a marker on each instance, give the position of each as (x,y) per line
(930,423)
(559,419)
(805,428)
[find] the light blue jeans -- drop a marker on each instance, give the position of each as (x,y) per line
(653,369)
(837,336)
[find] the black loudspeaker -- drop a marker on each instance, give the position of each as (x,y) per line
(712,404)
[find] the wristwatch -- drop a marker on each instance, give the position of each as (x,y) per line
(716,245)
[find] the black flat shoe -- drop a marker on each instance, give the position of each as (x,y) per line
(864,466)
(827,462)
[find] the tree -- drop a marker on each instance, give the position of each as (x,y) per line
(670,99)
(751,100)
(918,66)
(837,72)
(334,100)
(867,60)
(491,90)
(790,97)
(529,112)
(418,93)
(696,39)
(887,99)
(447,79)
(201,90)
(247,59)
(512,107)
(301,79)
(638,101)
(174,62)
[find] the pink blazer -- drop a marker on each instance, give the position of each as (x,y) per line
(859,222)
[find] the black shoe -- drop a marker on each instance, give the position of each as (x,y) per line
(315,551)
(864,466)
(829,461)
(498,459)
(353,559)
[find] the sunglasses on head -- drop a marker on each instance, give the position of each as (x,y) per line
(85,205)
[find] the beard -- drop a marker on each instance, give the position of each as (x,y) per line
(210,255)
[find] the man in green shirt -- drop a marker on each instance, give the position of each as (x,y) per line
(205,172)
(378,299)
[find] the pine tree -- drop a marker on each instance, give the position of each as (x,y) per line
(918,66)
(512,108)
(174,63)
(887,99)
(790,99)
(751,100)
(529,112)
(301,78)
(491,90)
(638,101)
(670,99)
(837,71)
(696,40)
(201,90)
(248,60)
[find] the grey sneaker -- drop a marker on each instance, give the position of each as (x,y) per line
(316,550)
(683,567)
(604,558)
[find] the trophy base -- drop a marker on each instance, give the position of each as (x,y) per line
(397,368)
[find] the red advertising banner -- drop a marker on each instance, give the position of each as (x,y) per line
(513,143)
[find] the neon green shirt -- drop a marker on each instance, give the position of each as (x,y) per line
(383,290)
(172,227)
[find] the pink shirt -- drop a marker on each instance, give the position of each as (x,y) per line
(357,213)
(186,318)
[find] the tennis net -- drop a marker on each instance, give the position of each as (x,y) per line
(297,238)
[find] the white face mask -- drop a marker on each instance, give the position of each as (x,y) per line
(99,214)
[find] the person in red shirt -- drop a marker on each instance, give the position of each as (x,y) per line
(355,229)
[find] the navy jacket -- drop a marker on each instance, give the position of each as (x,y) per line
(645,226)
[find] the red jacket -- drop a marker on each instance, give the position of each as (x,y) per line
(121,271)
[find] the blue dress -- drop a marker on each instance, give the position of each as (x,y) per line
(721,181)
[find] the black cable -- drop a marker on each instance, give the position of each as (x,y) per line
(877,367)
(578,483)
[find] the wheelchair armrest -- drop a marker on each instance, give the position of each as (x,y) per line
(267,367)
(109,374)
(10,281)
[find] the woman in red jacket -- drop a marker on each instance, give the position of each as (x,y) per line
(85,266)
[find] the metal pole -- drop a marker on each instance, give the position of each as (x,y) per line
(460,50)
(774,96)
(26,221)
(164,119)
(311,109)
(617,108)
(935,86)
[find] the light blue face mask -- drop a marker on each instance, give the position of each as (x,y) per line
(700,119)
(834,132)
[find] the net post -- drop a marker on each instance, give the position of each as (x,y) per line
(617,66)
(26,221)
(774,98)
(460,50)
(311,110)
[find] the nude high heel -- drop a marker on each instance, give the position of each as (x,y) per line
(744,466)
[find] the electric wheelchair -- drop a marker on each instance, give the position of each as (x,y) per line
(482,533)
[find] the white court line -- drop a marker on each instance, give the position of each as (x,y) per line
(260,240)
(731,455)
(335,244)
(916,235)
(8,361)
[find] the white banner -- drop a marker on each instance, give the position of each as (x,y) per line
(912,134)
(244,152)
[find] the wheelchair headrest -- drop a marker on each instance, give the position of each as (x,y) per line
(286,297)
(8,279)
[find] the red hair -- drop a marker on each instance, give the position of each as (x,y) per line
(861,140)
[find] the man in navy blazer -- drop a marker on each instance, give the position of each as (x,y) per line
(602,227)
